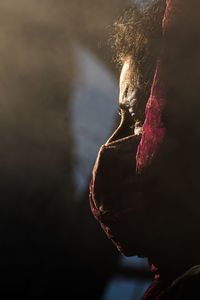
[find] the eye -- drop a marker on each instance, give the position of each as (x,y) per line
(126,92)
(124,105)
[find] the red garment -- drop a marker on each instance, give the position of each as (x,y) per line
(110,192)
(153,130)
(116,187)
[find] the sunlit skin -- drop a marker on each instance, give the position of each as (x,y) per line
(127,95)
(152,227)
(128,101)
(146,243)
(159,225)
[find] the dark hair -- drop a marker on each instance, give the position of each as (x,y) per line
(137,33)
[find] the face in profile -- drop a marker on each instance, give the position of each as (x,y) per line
(130,102)
(115,191)
(137,46)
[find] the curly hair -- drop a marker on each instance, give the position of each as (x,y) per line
(137,33)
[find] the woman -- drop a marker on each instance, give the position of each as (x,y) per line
(145,180)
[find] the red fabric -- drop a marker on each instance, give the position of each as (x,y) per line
(153,131)
(115,189)
(153,134)
(100,216)
(155,290)
(115,193)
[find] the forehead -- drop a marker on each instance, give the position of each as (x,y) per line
(124,71)
(127,72)
(127,84)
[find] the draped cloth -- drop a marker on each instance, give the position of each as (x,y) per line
(115,189)
(153,130)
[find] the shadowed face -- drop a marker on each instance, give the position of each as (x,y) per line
(136,41)
(116,190)
(129,103)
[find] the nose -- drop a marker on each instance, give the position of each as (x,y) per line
(125,128)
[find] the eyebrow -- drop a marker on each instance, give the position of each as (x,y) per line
(123,106)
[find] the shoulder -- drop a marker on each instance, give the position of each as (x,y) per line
(185,287)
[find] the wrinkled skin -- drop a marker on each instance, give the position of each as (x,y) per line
(116,187)
(143,209)
(129,102)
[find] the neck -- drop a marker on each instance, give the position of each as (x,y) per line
(170,266)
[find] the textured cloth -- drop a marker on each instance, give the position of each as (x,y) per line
(153,130)
(116,189)
(185,287)
(113,190)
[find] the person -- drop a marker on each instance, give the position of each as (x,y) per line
(144,190)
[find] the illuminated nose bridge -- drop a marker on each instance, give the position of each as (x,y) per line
(128,101)
(127,97)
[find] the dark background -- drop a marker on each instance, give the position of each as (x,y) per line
(50,245)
